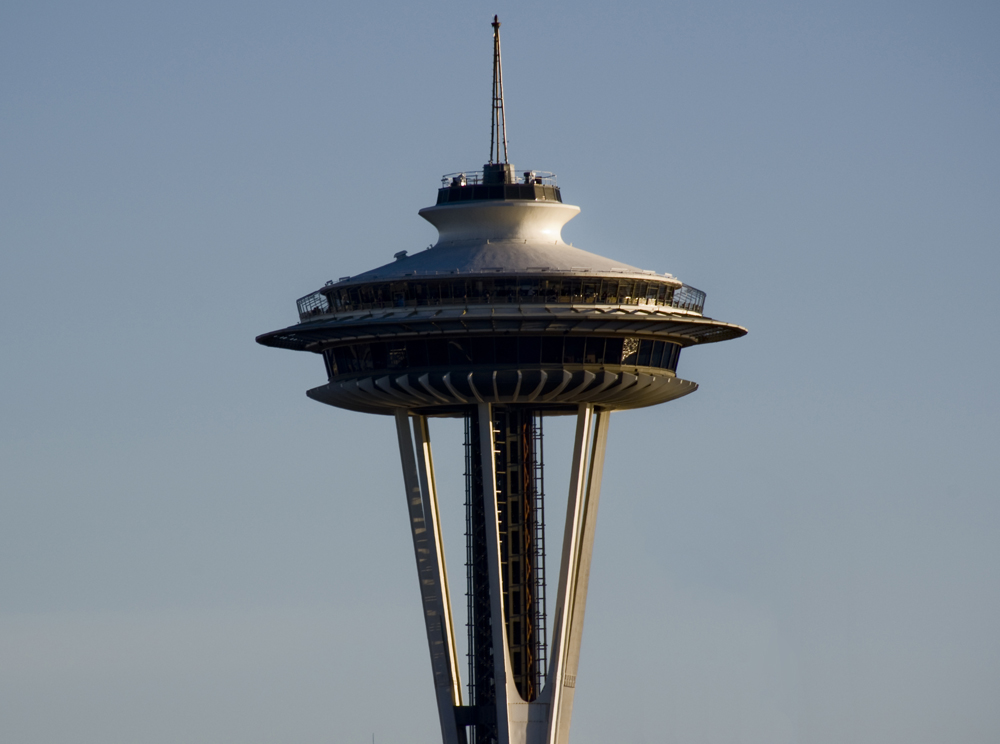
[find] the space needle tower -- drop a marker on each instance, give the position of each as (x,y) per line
(502,324)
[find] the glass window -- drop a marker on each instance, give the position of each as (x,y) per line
(613,351)
(594,351)
(482,351)
(573,350)
(344,359)
(364,354)
(416,353)
(458,352)
(625,292)
(524,350)
(506,349)
(340,358)
(529,350)
(552,350)
(506,289)
(379,356)
(437,353)
(657,355)
(397,355)
(645,350)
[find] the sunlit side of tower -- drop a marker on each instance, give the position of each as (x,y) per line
(502,324)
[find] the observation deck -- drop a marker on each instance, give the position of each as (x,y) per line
(501,310)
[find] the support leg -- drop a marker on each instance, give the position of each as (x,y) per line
(425,528)
(574,572)
(428,489)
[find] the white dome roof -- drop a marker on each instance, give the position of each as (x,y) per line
(489,237)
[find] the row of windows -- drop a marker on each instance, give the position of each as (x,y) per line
(525,351)
(579,290)
(523,191)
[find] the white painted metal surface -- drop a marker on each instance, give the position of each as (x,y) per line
(581,518)
(513,236)
(428,550)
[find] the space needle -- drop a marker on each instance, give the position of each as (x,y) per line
(501,323)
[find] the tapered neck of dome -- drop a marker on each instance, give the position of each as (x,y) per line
(518,220)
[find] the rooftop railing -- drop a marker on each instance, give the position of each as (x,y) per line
(477,178)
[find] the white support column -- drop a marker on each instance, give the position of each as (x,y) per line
(567,565)
(425,529)
(428,488)
(572,627)
(574,569)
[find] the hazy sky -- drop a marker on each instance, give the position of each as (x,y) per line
(805,551)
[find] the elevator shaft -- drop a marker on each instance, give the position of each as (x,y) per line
(517,450)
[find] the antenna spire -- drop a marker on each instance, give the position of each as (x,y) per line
(498,125)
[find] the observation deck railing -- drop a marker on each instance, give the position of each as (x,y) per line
(330,300)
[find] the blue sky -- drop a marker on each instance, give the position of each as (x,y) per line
(805,550)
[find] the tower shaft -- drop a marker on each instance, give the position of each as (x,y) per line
(521,529)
